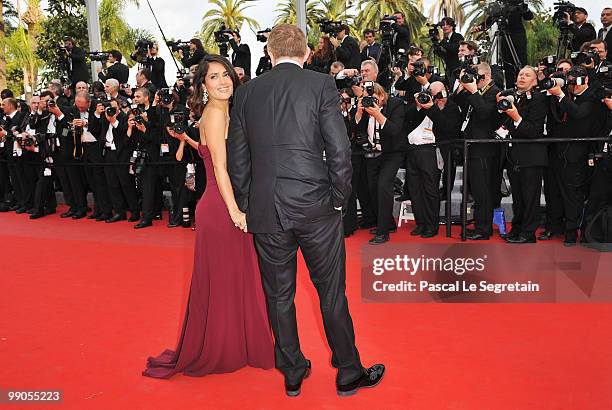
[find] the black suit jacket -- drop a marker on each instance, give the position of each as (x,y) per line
(280,125)
(241,57)
(533,112)
(348,53)
(79,66)
(581,35)
(393,134)
(118,71)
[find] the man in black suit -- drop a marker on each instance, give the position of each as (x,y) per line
(448,47)
(604,32)
(297,206)
(582,31)
(526,162)
(481,122)
(241,55)
(347,48)
(115,70)
(76,59)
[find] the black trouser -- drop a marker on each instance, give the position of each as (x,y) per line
(601,188)
(423,177)
(361,191)
(570,178)
(482,173)
(153,176)
(96,178)
(121,186)
(73,188)
(381,173)
(44,194)
(526,183)
(322,244)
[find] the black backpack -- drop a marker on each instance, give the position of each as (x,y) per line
(598,232)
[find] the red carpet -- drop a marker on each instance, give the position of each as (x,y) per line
(84,304)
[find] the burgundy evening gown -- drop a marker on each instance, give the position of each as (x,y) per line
(226,324)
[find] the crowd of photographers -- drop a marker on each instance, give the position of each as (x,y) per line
(128,144)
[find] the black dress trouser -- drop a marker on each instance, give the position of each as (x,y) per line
(322,244)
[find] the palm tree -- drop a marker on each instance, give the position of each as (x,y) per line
(371,11)
(447,8)
(228,13)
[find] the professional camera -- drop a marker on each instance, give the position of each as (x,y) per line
(261,35)
(368,100)
(137,161)
(470,75)
(98,56)
(424,97)
(386,29)
(509,97)
(177,45)
(178,119)
(586,58)
(165,96)
(562,7)
(329,27)
(553,80)
(142,48)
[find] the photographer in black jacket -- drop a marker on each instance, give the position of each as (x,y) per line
(526,111)
(380,126)
(347,48)
(579,116)
(477,92)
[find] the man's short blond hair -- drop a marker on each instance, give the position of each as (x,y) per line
(287,40)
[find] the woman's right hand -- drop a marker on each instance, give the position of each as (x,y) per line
(239,219)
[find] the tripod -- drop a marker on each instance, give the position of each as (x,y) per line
(501,36)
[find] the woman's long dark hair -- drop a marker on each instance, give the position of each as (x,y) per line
(195,101)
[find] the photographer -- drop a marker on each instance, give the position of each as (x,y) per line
(111,125)
(448,47)
(380,125)
(76,58)
(576,113)
(265,64)
(431,119)
(241,55)
(115,70)
(372,49)
(526,111)
(196,53)
(581,30)
(162,147)
(477,92)
(347,48)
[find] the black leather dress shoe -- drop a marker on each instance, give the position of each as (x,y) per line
(429,233)
(294,390)
(379,239)
(521,238)
(103,217)
(546,236)
(143,224)
(79,215)
(418,230)
(67,214)
(371,377)
(476,237)
(116,218)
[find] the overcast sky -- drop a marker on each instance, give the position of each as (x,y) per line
(181,19)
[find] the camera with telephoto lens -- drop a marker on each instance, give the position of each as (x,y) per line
(562,7)
(98,55)
(261,35)
(329,27)
(585,58)
(177,45)
(509,97)
(369,100)
(165,96)
(470,75)
(178,120)
(424,97)
(554,79)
